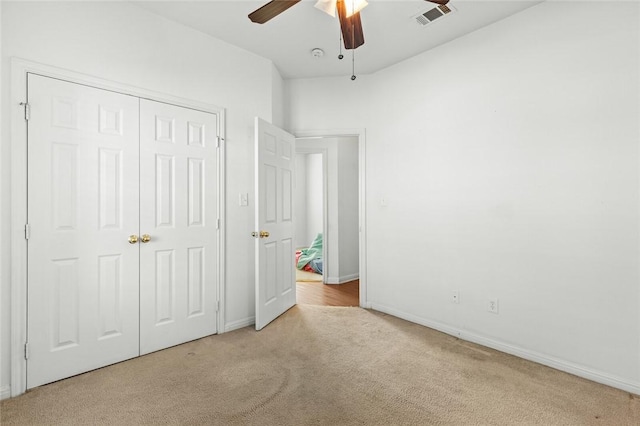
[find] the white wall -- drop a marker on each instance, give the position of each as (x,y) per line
(509,163)
(5,314)
(118,41)
(315,197)
(277,98)
(300,209)
(348,207)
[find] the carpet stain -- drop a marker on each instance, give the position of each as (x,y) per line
(267,400)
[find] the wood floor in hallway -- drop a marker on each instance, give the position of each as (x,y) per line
(316,293)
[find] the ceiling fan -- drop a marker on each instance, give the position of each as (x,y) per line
(348,14)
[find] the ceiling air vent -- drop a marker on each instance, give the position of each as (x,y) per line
(431,15)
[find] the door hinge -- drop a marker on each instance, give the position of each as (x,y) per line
(218,306)
(27,231)
(218,139)
(27,110)
(26,350)
(218,223)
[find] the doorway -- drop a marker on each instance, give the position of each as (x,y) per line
(310,214)
(327,220)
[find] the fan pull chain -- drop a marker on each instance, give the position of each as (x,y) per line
(353,52)
(340,56)
(353,64)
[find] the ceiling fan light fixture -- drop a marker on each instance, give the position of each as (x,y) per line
(327,6)
(352,6)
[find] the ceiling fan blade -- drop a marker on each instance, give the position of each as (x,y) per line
(351,27)
(442,2)
(270,10)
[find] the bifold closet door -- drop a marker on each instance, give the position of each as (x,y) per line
(178,221)
(82,207)
(122,212)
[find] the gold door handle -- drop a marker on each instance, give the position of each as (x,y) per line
(146,238)
(133,239)
(262,234)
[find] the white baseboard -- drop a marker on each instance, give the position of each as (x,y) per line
(235,325)
(342,279)
(549,361)
(5,392)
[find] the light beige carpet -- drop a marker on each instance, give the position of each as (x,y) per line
(326,366)
(306,276)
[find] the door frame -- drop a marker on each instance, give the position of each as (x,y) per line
(19,186)
(362,216)
(325,197)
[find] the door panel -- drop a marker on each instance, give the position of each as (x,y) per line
(83,273)
(178,197)
(275,174)
(84,202)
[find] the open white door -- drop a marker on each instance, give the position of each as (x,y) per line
(275,251)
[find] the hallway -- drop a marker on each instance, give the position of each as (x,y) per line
(317,293)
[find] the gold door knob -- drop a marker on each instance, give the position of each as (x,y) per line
(146,238)
(133,239)
(262,234)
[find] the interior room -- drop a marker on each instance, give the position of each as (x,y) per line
(327,221)
(494,227)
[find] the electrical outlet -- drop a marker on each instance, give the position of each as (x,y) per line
(455,296)
(493,306)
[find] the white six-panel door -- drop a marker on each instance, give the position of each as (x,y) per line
(104,170)
(275,251)
(82,207)
(178,198)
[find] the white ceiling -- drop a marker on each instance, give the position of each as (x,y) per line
(390,30)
